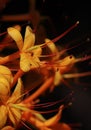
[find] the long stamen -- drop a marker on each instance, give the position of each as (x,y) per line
(67,31)
(1,34)
(44,87)
(9,58)
(83,59)
(62,35)
(75,75)
(28,125)
(49,104)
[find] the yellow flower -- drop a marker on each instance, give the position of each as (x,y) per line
(29,54)
(7,99)
(12,105)
(60,66)
(40,122)
(6,80)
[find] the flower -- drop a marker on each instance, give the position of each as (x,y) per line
(59,65)
(44,124)
(7,99)
(13,106)
(29,55)
(16,102)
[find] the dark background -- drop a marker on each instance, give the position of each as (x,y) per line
(63,14)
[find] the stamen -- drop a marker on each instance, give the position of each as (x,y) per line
(75,75)
(60,36)
(67,31)
(9,58)
(49,104)
(1,34)
(83,59)
(44,87)
(28,125)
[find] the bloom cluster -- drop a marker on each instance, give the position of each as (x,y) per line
(46,70)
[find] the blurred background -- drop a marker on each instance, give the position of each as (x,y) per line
(50,18)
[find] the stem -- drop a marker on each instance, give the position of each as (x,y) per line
(17,75)
(46,85)
(9,58)
(66,32)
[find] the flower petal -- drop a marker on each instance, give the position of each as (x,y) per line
(5,71)
(17,93)
(67,62)
(4,93)
(53,48)
(52,121)
(37,52)
(25,62)
(16,36)
(3,116)
(29,39)
(57,78)
(14,115)
(38,123)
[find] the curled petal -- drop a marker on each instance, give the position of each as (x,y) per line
(66,64)
(39,124)
(17,93)
(55,119)
(57,78)
(16,36)
(3,116)
(68,60)
(4,88)
(53,48)
(29,39)
(5,71)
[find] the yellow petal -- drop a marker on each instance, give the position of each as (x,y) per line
(38,123)
(3,116)
(5,71)
(52,121)
(68,60)
(4,88)
(14,115)
(25,64)
(5,82)
(8,128)
(29,39)
(16,36)
(37,52)
(57,78)
(17,93)
(53,48)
